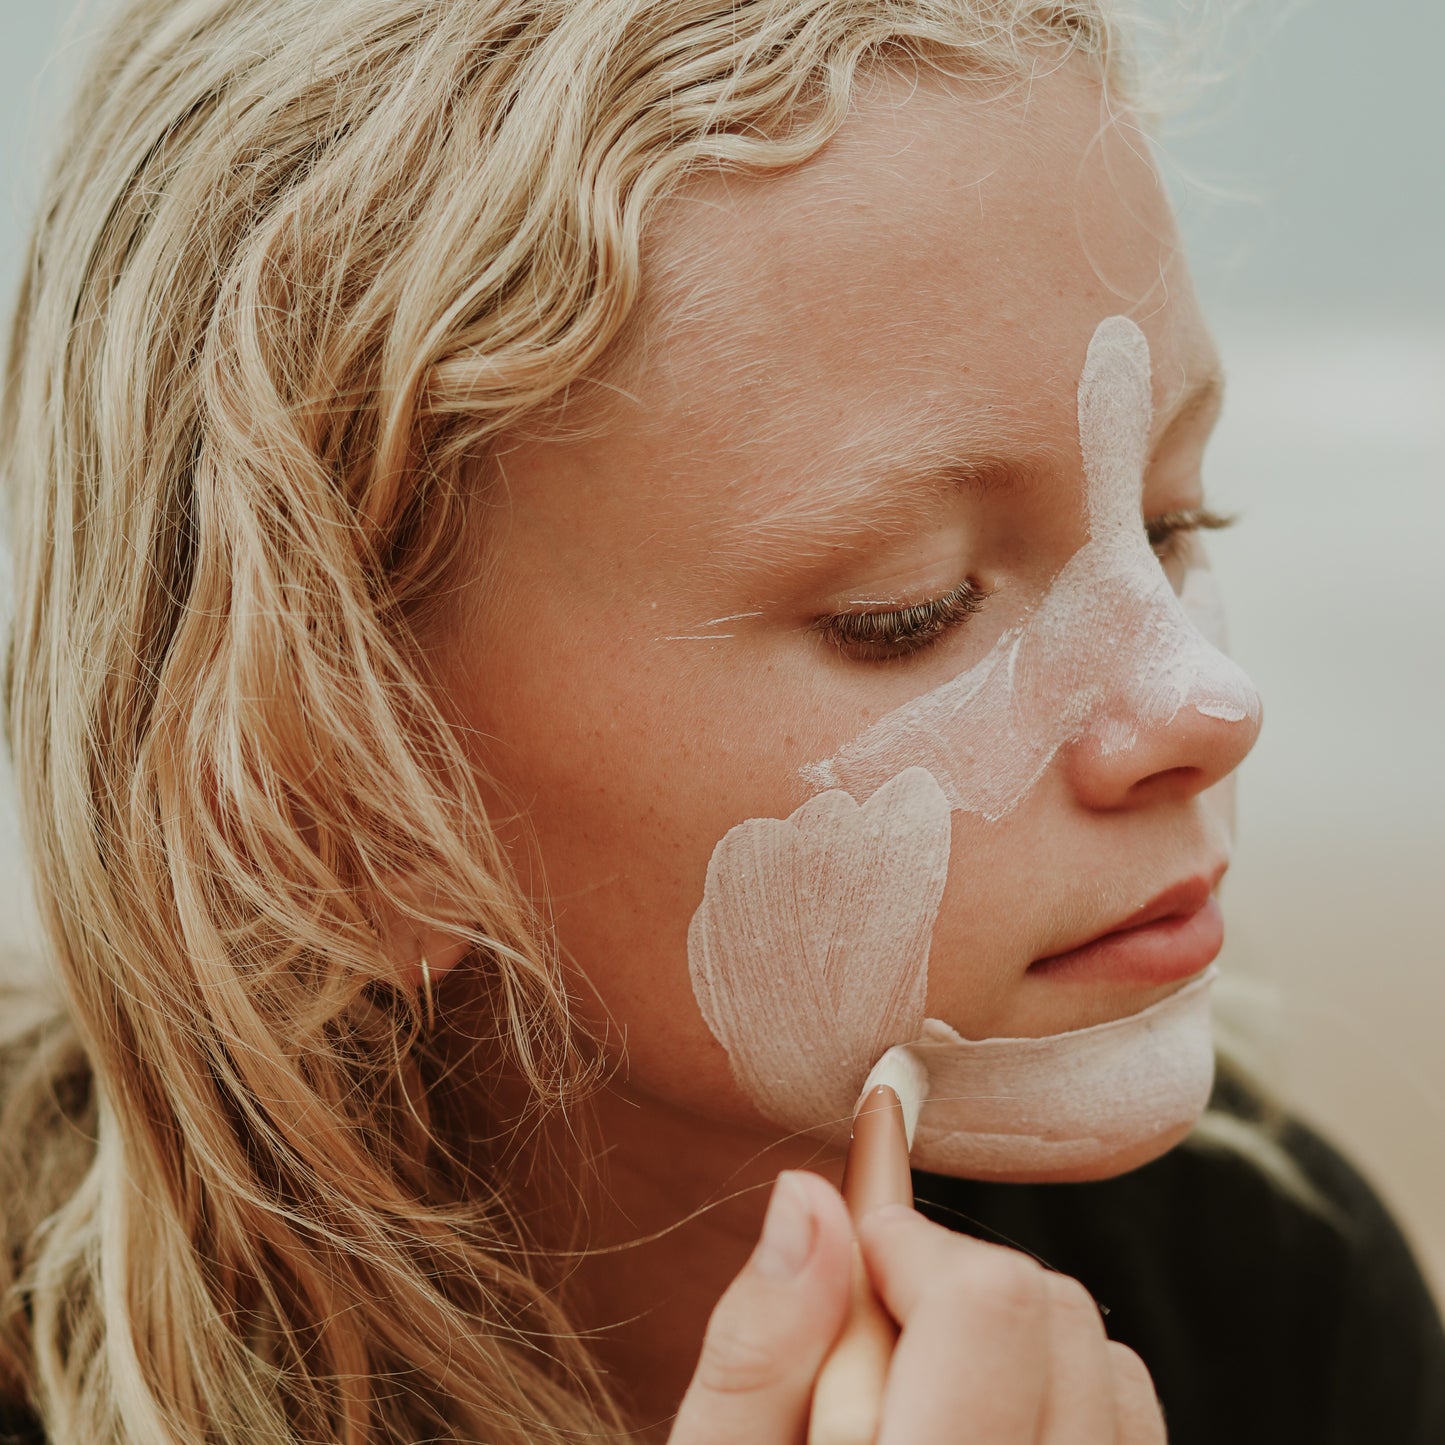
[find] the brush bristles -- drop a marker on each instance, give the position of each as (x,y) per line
(903,1072)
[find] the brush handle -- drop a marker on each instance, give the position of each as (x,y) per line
(848,1393)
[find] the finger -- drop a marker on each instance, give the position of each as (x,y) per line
(974,1341)
(770,1330)
(1078,1407)
(1140,1420)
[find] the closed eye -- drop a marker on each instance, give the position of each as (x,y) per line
(875,636)
(1167,529)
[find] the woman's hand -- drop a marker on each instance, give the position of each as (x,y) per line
(994,1348)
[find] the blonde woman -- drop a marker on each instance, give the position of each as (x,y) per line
(467,459)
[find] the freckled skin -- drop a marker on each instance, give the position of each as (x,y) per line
(952,250)
(994,243)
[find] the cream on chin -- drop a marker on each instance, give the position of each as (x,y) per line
(1068,1106)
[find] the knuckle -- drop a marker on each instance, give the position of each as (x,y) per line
(1131,1374)
(1008,1286)
(732,1363)
(1072,1301)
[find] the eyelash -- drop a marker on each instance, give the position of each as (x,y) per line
(877,636)
(1165,530)
(902,631)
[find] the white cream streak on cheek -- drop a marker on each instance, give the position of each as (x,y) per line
(809,951)
(1109,647)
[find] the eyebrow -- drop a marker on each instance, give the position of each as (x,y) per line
(884,484)
(888,483)
(1202,399)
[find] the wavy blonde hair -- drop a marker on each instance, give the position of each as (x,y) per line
(300,264)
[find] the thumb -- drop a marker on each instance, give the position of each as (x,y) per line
(770,1330)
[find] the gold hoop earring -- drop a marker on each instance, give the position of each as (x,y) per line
(431,1006)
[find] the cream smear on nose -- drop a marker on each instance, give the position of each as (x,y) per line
(990,733)
(809,951)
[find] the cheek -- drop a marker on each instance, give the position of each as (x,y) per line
(620,884)
(988,919)
(616,813)
(616,861)
(809,950)
(1220,803)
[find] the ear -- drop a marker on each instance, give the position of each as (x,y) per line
(408,940)
(442,951)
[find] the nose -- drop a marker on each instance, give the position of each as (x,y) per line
(1123,761)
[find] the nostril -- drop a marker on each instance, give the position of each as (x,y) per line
(1180,782)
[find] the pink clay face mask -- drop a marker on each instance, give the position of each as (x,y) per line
(809,952)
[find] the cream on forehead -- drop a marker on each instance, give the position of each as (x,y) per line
(1109,647)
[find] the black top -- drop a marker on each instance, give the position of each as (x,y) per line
(1263,1321)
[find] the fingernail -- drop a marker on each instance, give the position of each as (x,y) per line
(788,1230)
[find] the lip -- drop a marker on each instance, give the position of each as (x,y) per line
(1172,937)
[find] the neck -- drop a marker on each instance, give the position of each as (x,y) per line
(674,1211)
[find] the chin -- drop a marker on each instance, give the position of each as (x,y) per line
(1105,1161)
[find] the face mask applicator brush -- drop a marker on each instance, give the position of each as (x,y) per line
(848,1395)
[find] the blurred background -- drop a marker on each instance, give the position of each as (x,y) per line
(1310,178)
(1307,153)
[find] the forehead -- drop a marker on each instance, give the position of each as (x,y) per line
(940,265)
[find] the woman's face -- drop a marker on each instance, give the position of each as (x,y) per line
(855,392)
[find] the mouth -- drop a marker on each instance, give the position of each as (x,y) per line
(1171,938)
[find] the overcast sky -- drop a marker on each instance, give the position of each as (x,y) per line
(1327,126)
